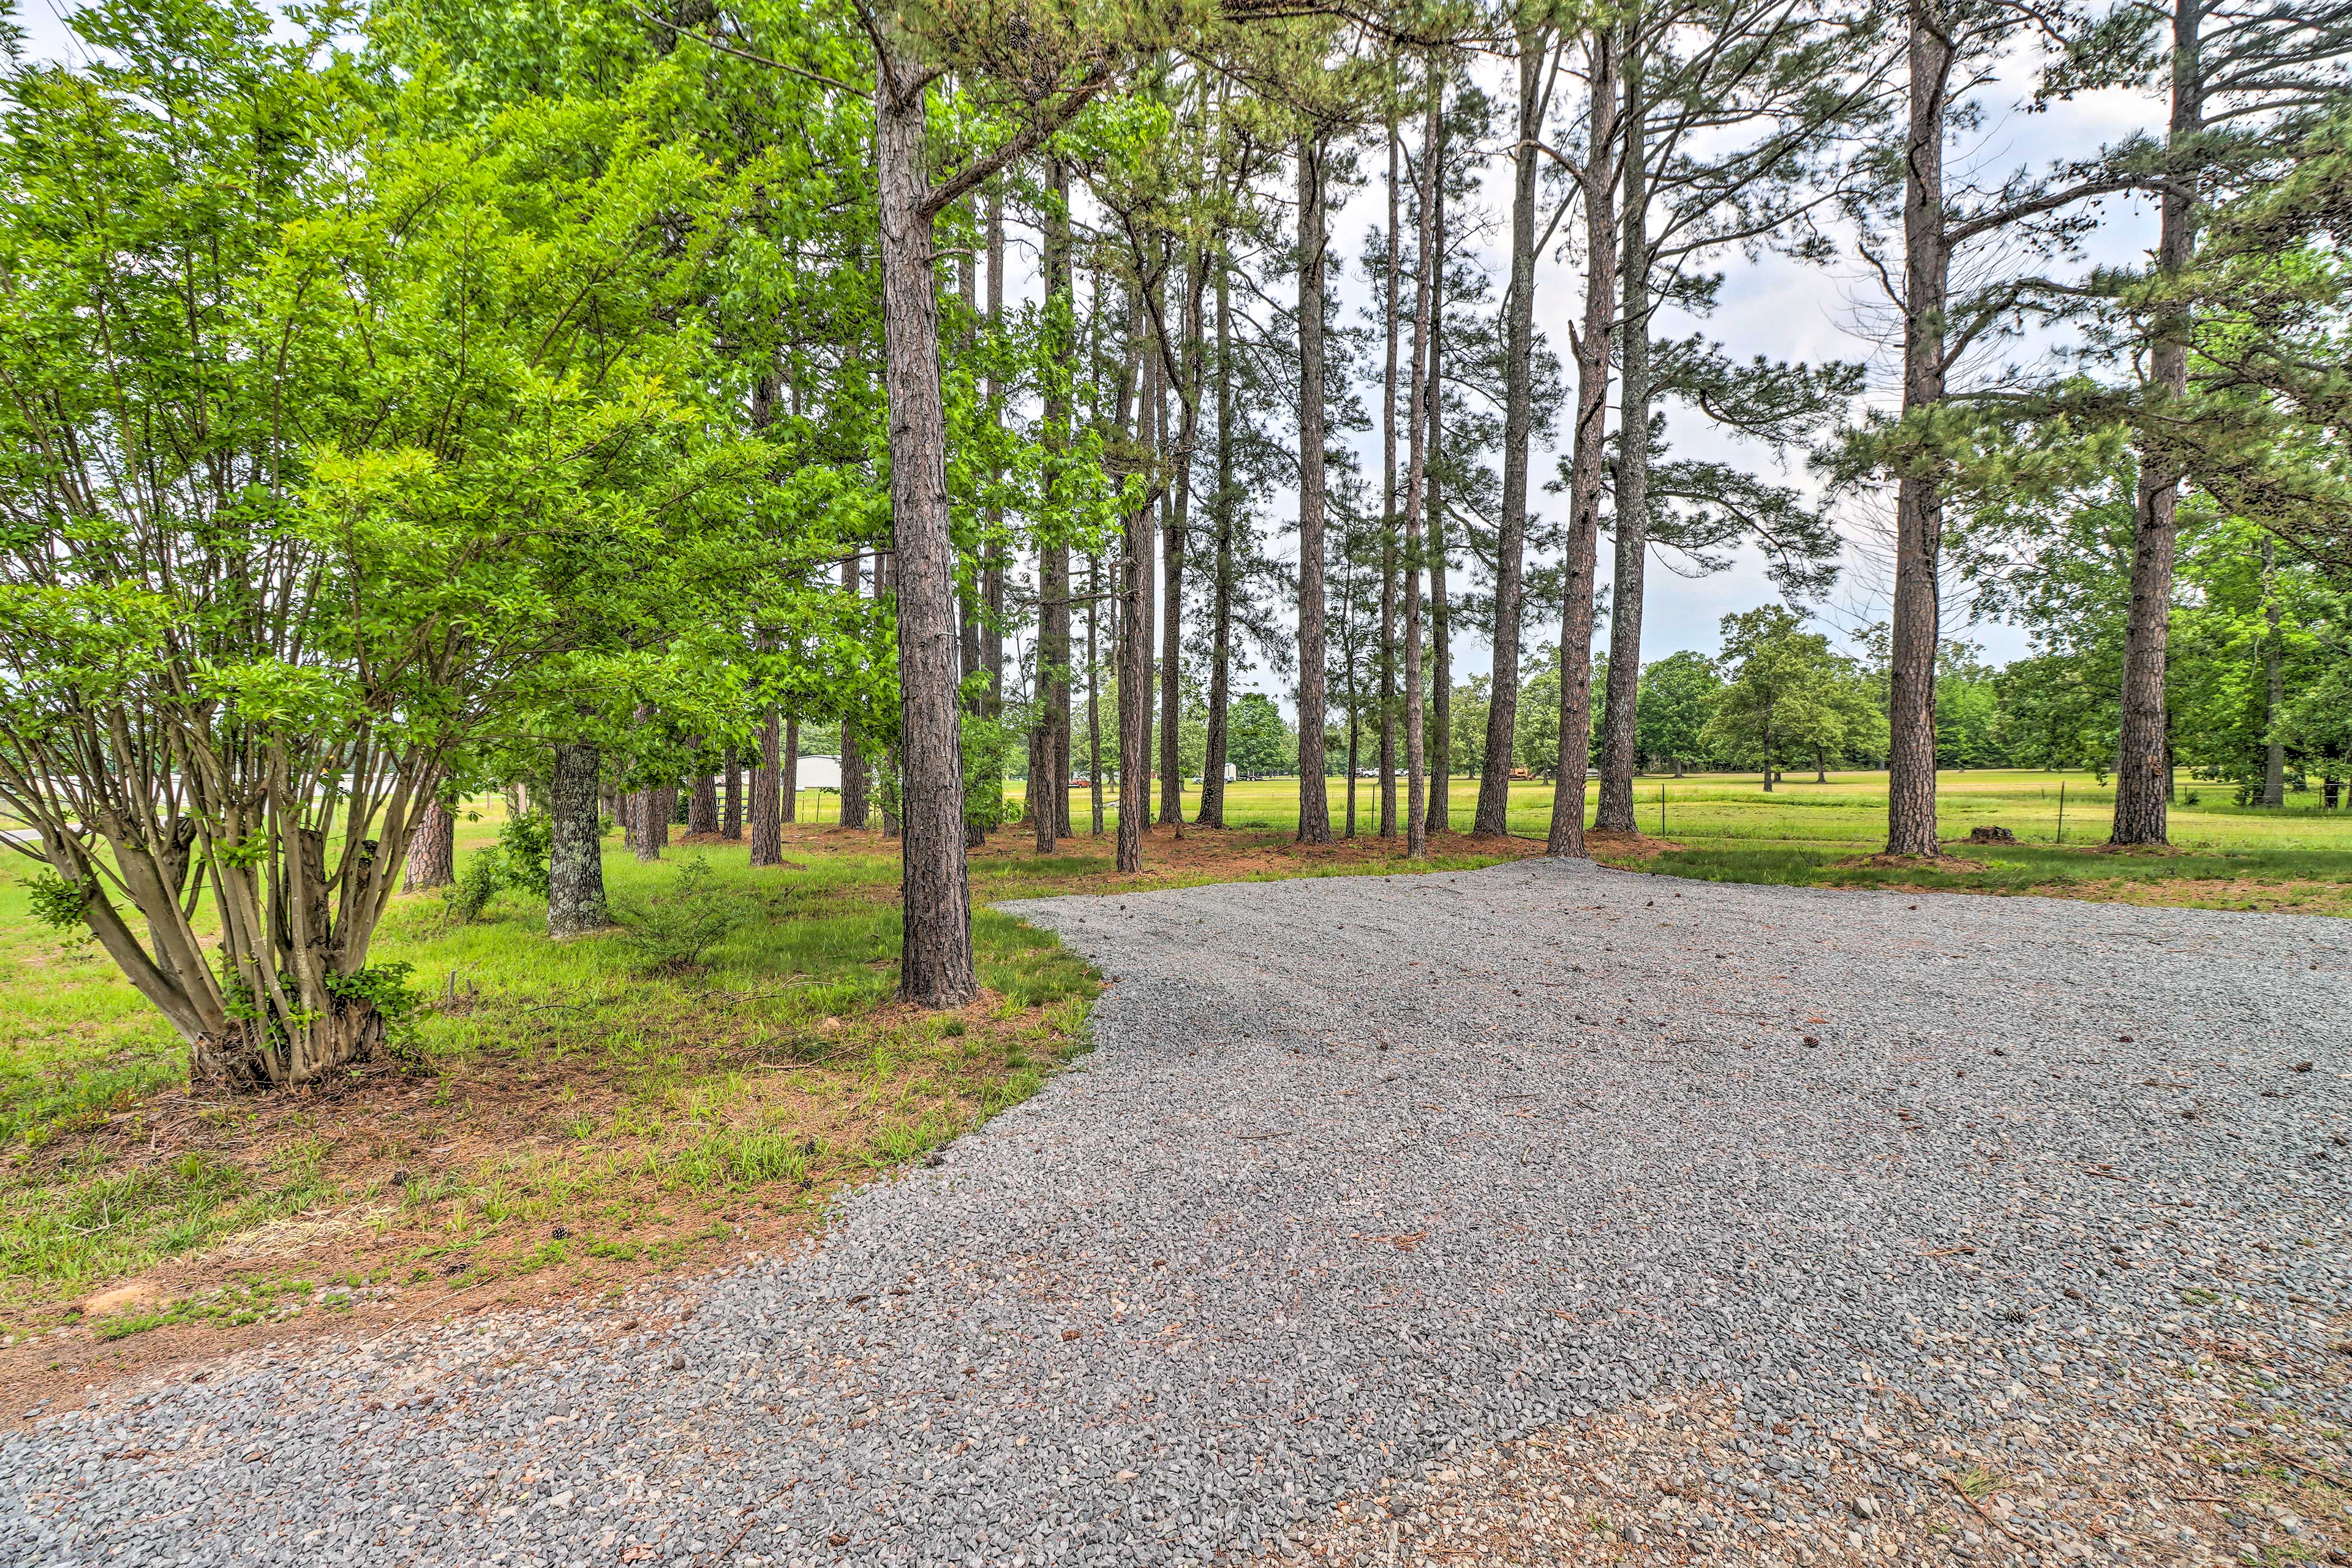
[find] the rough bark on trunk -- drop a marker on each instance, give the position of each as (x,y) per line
(889,781)
(1135,647)
(1050,806)
(1423,390)
(968,599)
(1518,425)
(1438,728)
(730,819)
(1390,509)
(2144,754)
(788,773)
(433,851)
(936,968)
(852,755)
(1918,505)
(1221,609)
(575,870)
(2275,694)
(1614,812)
(1587,453)
(1355,747)
(992,623)
(1093,697)
(1314,796)
(655,806)
(767,794)
(1171,555)
(702,806)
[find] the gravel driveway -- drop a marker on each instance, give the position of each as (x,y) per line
(1364,1168)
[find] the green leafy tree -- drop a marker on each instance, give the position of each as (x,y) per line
(1259,742)
(1967,705)
(1678,698)
(1788,695)
(299,425)
(1467,714)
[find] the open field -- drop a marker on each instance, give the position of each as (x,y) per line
(1726,827)
(1849,812)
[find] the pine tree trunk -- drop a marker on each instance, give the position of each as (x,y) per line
(1615,812)
(1437,730)
(2275,693)
(889,791)
(1355,746)
(1587,456)
(991,626)
(2144,754)
(1049,771)
(730,820)
(855,802)
(432,850)
(1390,509)
(654,811)
(1519,424)
(1135,647)
(1094,696)
(1418,429)
(702,807)
(1918,505)
(936,968)
(1171,555)
(852,755)
(767,836)
(788,773)
(575,872)
(1314,792)
(968,600)
(1221,609)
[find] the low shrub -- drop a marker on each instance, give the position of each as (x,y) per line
(672,932)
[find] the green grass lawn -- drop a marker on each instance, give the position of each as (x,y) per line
(1848,813)
(1727,828)
(565,1103)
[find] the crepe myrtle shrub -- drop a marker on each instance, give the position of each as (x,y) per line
(299,426)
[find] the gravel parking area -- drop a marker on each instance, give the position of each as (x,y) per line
(1368,1181)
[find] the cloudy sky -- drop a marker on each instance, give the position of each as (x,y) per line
(1772,306)
(1786,311)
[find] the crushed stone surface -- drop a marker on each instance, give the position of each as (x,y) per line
(1579,1179)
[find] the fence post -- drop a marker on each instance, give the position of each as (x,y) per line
(2061,811)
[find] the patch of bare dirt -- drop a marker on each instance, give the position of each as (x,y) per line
(1882,862)
(471,1189)
(2282,896)
(1683,1480)
(1618,848)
